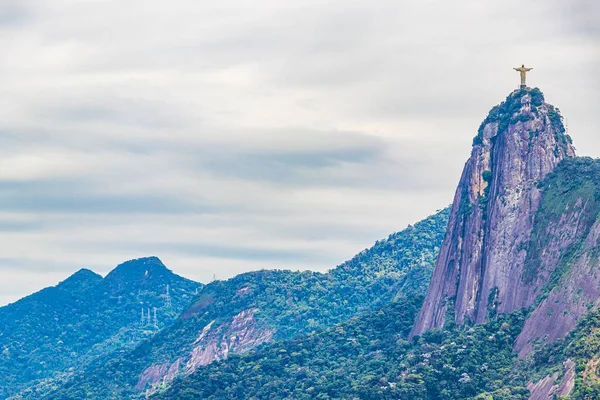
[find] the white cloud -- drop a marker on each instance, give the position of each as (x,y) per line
(237,135)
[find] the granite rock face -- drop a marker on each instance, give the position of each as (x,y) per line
(481,270)
(214,343)
(566,238)
(548,389)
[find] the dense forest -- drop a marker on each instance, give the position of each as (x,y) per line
(370,357)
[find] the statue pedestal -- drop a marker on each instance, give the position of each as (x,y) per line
(522,86)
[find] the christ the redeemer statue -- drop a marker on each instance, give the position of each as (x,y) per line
(523,72)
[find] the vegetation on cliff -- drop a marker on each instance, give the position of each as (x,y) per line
(574,184)
(507,113)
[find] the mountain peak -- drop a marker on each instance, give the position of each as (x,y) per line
(81,279)
(137,265)
(480,268)
(144,271)
(523,105)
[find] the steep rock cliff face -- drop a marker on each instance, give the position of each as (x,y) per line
(481,267)
(214,343)
(548,389)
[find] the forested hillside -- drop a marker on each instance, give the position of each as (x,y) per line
(244,312)
(369,357)
(47,336)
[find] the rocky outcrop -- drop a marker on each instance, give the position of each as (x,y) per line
(558,314)
(547,389)
(481,269)
(568,239)
(212,344)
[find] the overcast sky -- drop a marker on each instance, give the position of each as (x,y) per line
(228,136)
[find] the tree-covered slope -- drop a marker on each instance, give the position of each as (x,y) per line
(369,357)
(45,335)
(239,314)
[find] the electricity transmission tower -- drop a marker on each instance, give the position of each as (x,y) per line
(168,303)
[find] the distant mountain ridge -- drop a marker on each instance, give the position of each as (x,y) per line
(47,335)
(259,307)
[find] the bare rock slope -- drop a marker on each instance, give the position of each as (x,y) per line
(482,266)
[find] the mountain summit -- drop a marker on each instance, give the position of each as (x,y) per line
(481,269)
(143,272)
